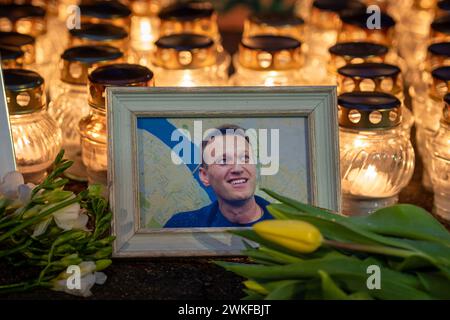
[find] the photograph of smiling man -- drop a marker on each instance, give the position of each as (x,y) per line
(208,172)
(229,168)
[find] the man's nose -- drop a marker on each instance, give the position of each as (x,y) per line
(237,167)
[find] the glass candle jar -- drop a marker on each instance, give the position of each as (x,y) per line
(196,17)
(442,8)
(414,18)
(93,127)
(24,42)
(303,9)
(324,25)
(11,57)
(70,103)
(344,53)
(376,160)
(63,9)
(268,60)
(440,29)
(355,28)
(32,20)
(440,165)
(278,24)
(438,55)
(427,118)
(109,12)
(186,60)
(23,18)
(102,34)
(144,24)
(380,77)
(36,136)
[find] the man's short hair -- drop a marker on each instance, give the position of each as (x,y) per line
(226,129)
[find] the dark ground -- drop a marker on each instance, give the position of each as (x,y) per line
(180,278)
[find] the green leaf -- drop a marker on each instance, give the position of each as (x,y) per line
(261,257)
(330,289)
(343,230)
(286,290)
(253,236)
(336,266)
(360,296)
(300,206)
(435,284)
(252,295)
(406,221)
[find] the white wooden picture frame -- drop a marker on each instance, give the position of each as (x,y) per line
(7,159)
(125,105)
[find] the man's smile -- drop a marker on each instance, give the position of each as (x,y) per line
(238,181)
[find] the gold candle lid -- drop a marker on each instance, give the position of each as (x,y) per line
(25,92)
(369,110)
(78,61)
(440,84)
(197,17)
(446,111)
(442,8)
(269,52)
(279,24)
(355,28)
(184,51)
(438,55)
(344,53)
(440,29)
(99,34)
(110,12)
(11,57)
(116,75)
(380,77)
(325,13)
(425,4)
(24,42)
(23,18)
(145,7)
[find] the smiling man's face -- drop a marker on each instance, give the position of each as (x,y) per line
(231,168)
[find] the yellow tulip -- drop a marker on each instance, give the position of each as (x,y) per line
(295,235)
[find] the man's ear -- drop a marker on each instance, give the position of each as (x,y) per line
(203,175)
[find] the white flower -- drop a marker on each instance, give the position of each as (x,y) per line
(88,278)
(13,187)
(67,218)
(70,217)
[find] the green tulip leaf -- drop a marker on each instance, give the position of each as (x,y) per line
(406,221)
(286,290)
(330,289)
(436,284)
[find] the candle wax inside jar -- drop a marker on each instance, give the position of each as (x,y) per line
(367,182)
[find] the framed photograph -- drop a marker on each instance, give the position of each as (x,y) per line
(7,159)
(186,165)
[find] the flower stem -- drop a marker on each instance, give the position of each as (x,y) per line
(35,219)
(5,253)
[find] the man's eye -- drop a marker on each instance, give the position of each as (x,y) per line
(244,159)
(221,161)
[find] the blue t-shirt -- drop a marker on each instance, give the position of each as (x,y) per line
(210,216)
